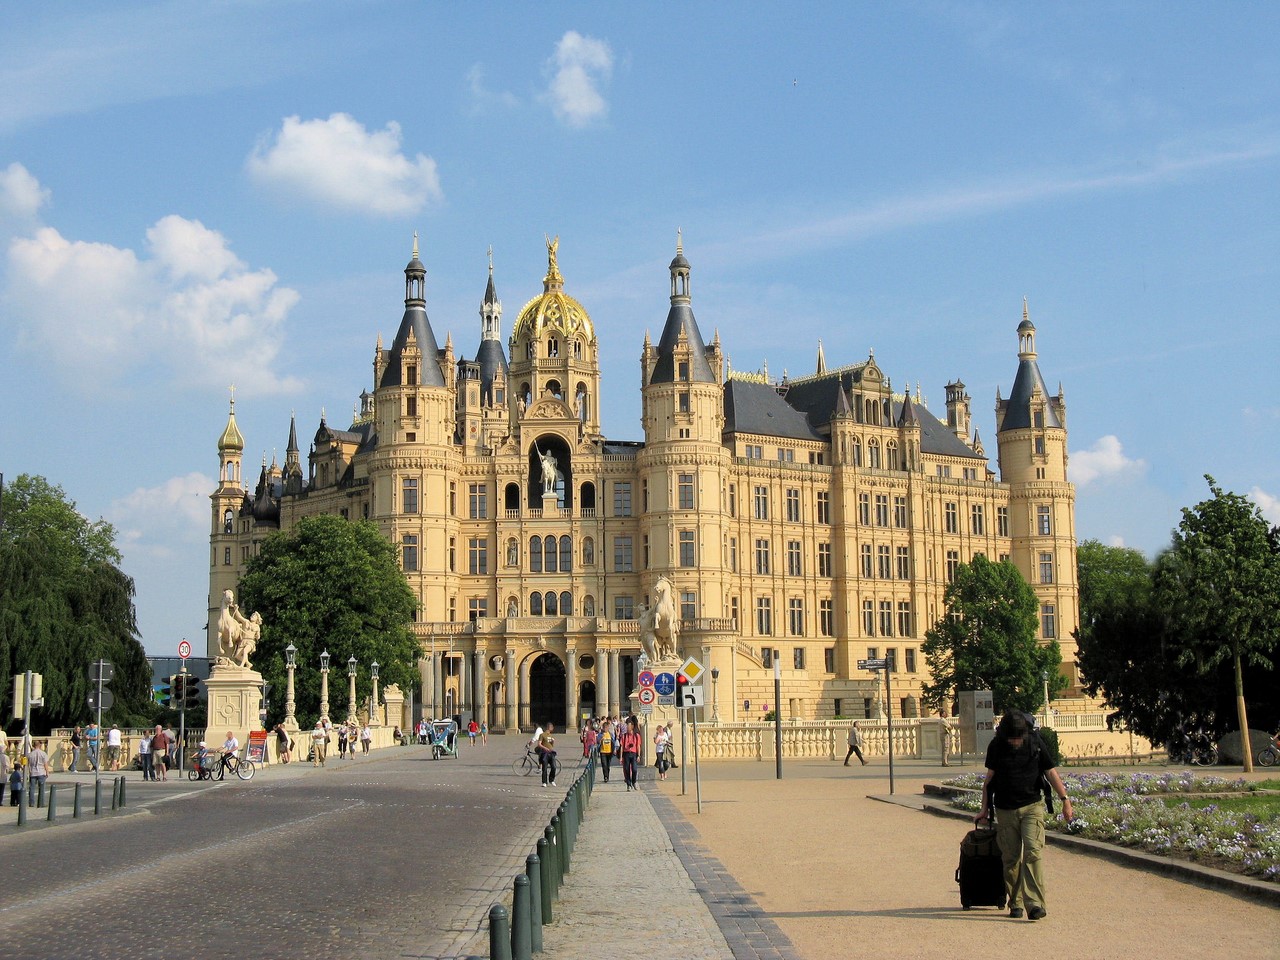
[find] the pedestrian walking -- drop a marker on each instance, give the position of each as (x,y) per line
(855,744)
(342,742)
(160,746)
(91,738)
(589,739)
(607,742)
(366,738)
(546,750)
(38,763)
(6,768)
(473,731)
(630,745)
(484,733)
(318,740)
(77,741)
(17,781)
(284,744)
(1016,762)
(144,756)
(661,740)
(114,743)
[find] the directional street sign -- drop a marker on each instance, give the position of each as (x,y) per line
(184,649)
(692,669)
(692,696)
(878,664)
(665,684)
(108,671)
(107,699)
(646,678)
(646,696)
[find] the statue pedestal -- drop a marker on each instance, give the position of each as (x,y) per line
(235,699)
(550,504)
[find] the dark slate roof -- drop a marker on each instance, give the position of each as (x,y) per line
(936,437)
(1017,410)
(491,359)
(429,373)
(626,448)
(817,396)
(490,292)
(757,408)
(680,317)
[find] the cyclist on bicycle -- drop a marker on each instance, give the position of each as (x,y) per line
(546,749)
(230,747)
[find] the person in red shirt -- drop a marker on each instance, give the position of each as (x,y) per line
(630,752)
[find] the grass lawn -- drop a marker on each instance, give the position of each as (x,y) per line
(1264,806)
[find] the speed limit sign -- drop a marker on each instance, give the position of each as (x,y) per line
(184,649)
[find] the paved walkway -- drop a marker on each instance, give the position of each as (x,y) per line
(814,866)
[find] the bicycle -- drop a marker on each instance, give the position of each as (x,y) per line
(241,767)
(1270,753)
(523,766)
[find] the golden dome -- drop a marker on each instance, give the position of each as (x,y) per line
(553,309)
(231,439)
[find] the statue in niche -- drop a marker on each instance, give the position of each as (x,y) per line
(549,473)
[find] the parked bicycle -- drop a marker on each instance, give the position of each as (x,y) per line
(1195,749)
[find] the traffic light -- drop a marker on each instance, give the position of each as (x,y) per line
(164,693)
(682,684)
(191,692)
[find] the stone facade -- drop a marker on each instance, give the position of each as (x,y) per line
(816,519)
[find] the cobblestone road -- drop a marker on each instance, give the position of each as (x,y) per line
(390,856)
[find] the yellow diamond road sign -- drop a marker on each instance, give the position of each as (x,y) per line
(692,669)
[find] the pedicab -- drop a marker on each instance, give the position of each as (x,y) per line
(444,739)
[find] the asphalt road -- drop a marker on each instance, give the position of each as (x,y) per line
(391,856)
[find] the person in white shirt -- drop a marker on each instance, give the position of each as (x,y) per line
(230,747)
(114,742)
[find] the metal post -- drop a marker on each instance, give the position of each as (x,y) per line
(533,870)
(115,792)
(75,803)
(53,803)
(97,797)
(182,722)
(545,886)
(521,935)
(499,933)
(888,694)
(122,804)
(22,807)
(684,752)
(777,712)
(697,778)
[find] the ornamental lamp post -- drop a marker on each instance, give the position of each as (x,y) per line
(351,676)
(715,699)
(1044,675)
(373,701)
(290,664)
(324,686)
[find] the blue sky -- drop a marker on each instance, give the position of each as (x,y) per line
(195,195)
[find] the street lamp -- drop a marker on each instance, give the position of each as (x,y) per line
(373,701)
(351,676)
(715,699)
(1044,675)
(324,685)
(290,664)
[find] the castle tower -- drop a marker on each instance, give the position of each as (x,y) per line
(684,467)
(225,561)
(482,383)
(1032,441)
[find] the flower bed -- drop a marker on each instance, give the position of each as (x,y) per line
(1126,809)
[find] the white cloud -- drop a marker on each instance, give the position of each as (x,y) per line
(482,98)
(1104,460)
(150,520)
(97,311)
(21,195)
(338,162)
(580,64)
(1115,540)
(1269,505)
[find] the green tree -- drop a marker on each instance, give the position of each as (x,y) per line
(1219,589)
(987,640)
(63,604)
(330,585)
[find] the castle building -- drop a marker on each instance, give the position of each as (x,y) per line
(814,521)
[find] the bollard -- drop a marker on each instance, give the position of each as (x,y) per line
(533,870)
(122,793)
(75,804)
(115,792)
(549,834)
(521,942)
(23,799)
(53,803)
(97,797)
(499,933)
(39,794)
(562,867)
(544,867)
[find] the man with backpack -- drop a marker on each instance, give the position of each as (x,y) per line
(1016,762)
(606,745)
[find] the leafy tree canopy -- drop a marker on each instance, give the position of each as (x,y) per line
(1219,589)
(987,640)
(63,604)
(330,585)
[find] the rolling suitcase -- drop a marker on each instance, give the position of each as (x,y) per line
(981,871)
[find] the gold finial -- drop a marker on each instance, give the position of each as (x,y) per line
(1026,314)
(415,245)
(553,268)
(679,242)
(232,388)
(491,258)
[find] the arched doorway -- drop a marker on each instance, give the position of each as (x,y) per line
(497,708)
(546,691)
(586,699)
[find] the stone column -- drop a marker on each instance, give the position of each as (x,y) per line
(478,673)
(463,702)
(525,719)
(615,684)
(571,688)
(438,706)
(512,691)
(602,682)
(426,670)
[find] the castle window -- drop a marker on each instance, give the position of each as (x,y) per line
(762,503)
(535,554)
(477,607)
(550,551)
(553,347)
(686,491)
(793,505)
(409,552)
(1046,568)
(1040,446)
(857,452)
(882,509)
(684,401)
(1044,521)
(1048,621)
(411,406)
(550,604)
(623,555)
(827,627)
(868,564)
(953,565)
(688,605)
(795,565)
(977,520)
(824,507)
(566,554)
(864,509)
(869,625)
(824,559)
(535,604)
(733,611)
(891,453)
(566,604)
(795,627)
(411,373)
(906,628)
(453,554)
(886,618)
(1038,419)
(624,608)
(227,522)
(226,556)
(951,514)
(478,556)
(764,616)
(733,499)
(684,370)
(762,556)
(904,563)
(686,548)
(577,349)
(1002,521)
(884,567)
(622,499)
(873,454)
(409,495)
(900,512)
(478,497)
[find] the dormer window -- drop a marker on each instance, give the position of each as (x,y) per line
(411,373)
(684,369)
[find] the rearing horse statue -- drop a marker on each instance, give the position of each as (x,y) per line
(660,623)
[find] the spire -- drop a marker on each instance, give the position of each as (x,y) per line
(490,355)
(1028,385)
(414,326)
(842,402)
(292,446)
(908,417)
(681,330)
(822,360)
(231,440)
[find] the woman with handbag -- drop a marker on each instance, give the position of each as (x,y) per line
(630,752)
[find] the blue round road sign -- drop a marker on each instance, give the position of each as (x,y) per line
(665,684)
